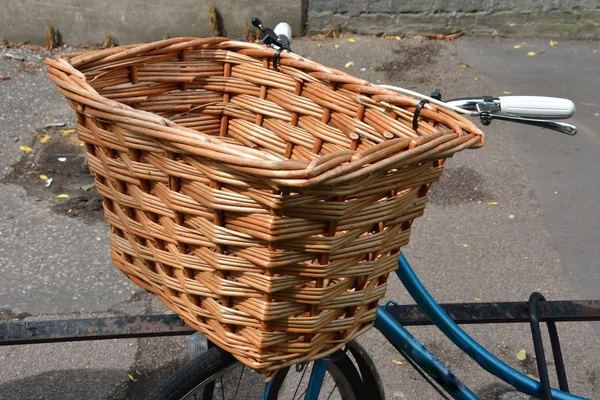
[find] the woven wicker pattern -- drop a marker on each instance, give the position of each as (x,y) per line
(264,207)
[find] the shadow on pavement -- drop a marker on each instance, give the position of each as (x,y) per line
(76,384)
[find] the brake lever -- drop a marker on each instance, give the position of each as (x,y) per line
(568,129)
(268,35)
(489,111)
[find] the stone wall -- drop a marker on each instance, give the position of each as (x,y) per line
(546,18)
(88,22)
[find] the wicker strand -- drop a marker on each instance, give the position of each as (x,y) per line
(266,208)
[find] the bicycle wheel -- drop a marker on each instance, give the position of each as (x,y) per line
(217,375)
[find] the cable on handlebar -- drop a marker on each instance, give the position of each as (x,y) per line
(415,121)
(276,57)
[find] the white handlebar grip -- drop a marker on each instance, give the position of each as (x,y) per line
(283,28)
(537,106)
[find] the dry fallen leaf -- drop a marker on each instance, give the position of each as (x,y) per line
(351,40)
(517,46)
(319,45)
(463,65)
(26,65)
(479,201)
(553,43)
(98,238)
(397,37)
(337,46)
(87,187)
(26,149)
(475,79)
(67,131)
(132,378)
(453,36)
(492,203)
(511,216)
(397,362)
(505,92)
(531,53)
(596,114)
(4,78)
(478,299)
(349,64)
(45,138)
(441,36)
(43,177)
(521,355)
(465,245)
(62,196)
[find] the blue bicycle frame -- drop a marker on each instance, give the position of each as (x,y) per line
(412,348)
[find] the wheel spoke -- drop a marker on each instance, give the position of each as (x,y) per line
(332,390)
(303,393)
(239,381)
(299,382)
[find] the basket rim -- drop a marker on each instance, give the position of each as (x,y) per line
(331,168)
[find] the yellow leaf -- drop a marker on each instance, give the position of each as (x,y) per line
(475,79)
(553,43)
(517,46)
(397,362)
(462,65)
(98,238)
(479,202)
(492,203)
(67,131)
(337,46)
(511,216)
(531,53)
(133,378)
(596,114)
(62,196)
(43,177)
(45,138)
(478,299)
(319,45)
(351,40)
(595,51)
(26,149)
(349,64)
(465,246)
(475,189)
(397,37)
(505,92)
(521,355)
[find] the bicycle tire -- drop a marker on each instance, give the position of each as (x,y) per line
(209,366)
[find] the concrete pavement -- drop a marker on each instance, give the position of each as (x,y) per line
(52,265)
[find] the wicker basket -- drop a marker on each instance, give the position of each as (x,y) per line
(265,207)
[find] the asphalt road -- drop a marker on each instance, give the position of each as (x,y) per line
(52,266)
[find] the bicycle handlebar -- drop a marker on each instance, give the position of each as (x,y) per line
(529,110)
(523,106)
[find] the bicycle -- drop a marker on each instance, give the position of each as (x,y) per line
(204,374)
